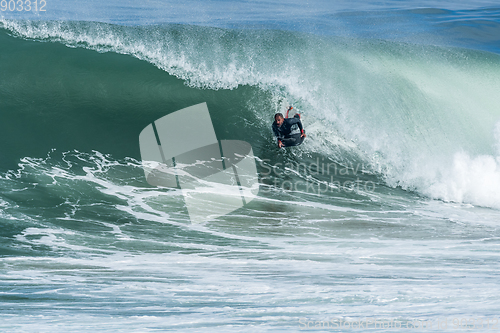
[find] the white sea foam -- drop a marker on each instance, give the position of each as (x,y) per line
(470,179)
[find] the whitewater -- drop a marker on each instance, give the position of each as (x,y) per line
(385,218)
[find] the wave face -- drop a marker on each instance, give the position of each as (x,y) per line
(425,118)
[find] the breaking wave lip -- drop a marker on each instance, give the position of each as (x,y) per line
(172,48)
(404,125)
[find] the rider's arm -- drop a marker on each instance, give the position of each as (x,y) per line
(277,133)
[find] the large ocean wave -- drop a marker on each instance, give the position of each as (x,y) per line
(425,118)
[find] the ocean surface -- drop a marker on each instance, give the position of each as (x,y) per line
(386,218)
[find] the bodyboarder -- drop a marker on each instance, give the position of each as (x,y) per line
(288,131)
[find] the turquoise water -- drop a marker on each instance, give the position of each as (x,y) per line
(389,210)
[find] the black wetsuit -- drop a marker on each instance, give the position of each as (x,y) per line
(289,133)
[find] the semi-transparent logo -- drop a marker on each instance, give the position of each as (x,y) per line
(181,150)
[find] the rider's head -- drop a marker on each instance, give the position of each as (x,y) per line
(278,117)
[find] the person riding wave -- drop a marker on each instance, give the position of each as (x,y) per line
(288,131)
